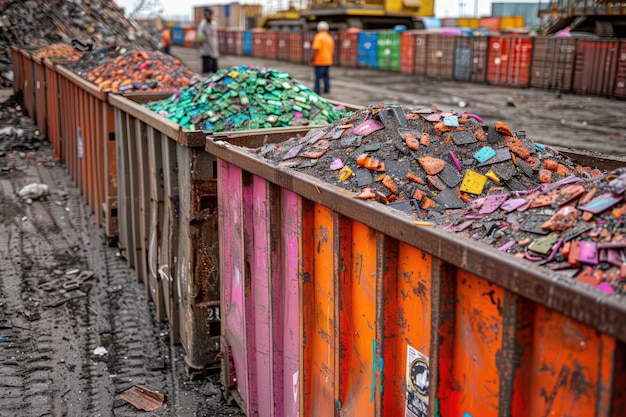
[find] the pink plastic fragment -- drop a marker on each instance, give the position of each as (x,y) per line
(513,204)
(368,127)
(614,257)
(606,287)
(336,164)
(462,226)
(508,245)
(493,202)
(588,253)
(432,117)
(474,216)
(456,161)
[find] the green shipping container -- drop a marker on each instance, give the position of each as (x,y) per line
(389,51)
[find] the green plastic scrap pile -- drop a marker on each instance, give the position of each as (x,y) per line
(242,98)
(479,180)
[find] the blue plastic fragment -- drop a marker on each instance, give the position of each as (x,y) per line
(484,154)
(540,146)
(452,121)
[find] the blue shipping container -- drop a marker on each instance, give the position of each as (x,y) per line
(247,43)
(368,50)
(178,35)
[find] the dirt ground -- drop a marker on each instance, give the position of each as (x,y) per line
(47,346)
(551,118)
(49,334)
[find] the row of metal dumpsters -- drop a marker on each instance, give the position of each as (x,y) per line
(317,303)
(583,66)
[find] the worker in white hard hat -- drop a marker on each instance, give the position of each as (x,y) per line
(323,49)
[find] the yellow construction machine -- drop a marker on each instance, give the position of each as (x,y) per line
(346,14)
(602,18)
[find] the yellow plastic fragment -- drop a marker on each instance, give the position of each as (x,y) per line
(345,173)
(492,176)
(233,74)
(422,223)
(473,182)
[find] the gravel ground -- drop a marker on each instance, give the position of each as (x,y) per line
(47,359)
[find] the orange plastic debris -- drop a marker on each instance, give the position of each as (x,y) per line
(545,176)
(550,164)
(503,129)
(425,139)
(411,141)
(432,166)
(389,184)
(412,177)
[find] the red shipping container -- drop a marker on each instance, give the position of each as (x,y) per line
(440,59)
(271,45)
(222,41)
(230,43)
(283,39)
(348,49)
(509,61)
(258,41)
(407,53)
(620,81)
(296,50)
(420,54)
(595,67)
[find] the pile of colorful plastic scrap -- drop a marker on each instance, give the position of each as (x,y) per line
(118,70)
(59,53)
(481,180)
(242,98)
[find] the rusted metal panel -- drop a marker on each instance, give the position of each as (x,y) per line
(40,97)
(348,49)
(595,67)
(470,59)
(421,54)
(52,108)
(28,83)
(296,51)
(620,77)
(392,320)
(407,53)
(282,38)
(509,61)
(440,59)
(552,64)
(18,69)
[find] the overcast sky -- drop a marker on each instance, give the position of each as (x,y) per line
(443,8)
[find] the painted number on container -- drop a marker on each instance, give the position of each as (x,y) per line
(417,383)
(213,314)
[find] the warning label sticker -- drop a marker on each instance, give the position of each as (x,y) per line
(417,383)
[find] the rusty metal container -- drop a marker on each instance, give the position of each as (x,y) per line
(509,61)
(348,49)
(470,59)
(28,83)
(407,53)
(283,40)
(296,49)
(620,77)
(168,221)
(421,54)
(53,113)
(18,69)
(596,67)
(39,87)
(334,306)
(440,57)
(552,65)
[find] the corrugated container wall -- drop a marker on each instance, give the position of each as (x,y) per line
(248,43)
(470,59)
(368,50)
(595,67)
(440,59)
(332,307)
(620,78)
(421,54)
(348,49)
(178,35)
(41,112)
(552,64)
(509,61)
(296,51)
(283,46)
(407,53)
(18,70)
(388,51)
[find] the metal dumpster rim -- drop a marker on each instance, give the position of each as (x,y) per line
(574,299)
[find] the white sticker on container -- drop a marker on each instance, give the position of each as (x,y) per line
(81,151)
(417,383)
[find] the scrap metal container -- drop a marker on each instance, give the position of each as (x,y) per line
(335,306)
(470,59)
(620,77)
(53,117)
(552,66)
(368,50)
(18,69)
(239,43)
(248,43)
(595,67)
(407,53)
(296,51)
(421,54)
(168,220)
(348,49)
(28,82)
(41,114)
(388,51)
(509,61)
(283,46)
(440,57)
